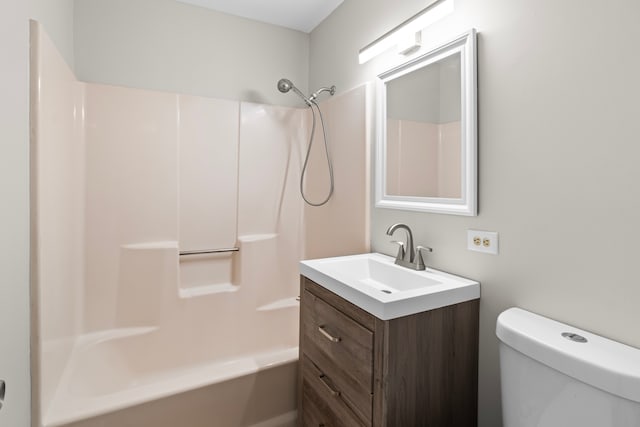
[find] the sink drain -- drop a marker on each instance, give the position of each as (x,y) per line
(574,337)
(385,291)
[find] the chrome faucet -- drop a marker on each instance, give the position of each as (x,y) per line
(408,256)
(402,250)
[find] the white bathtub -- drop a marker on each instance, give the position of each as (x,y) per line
(145,376)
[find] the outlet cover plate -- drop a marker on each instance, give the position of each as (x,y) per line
(482,241)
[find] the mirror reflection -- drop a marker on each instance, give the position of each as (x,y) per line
(426,149)
(423,148)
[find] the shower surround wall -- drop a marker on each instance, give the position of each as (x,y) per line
(57,212)
(423,159)
(125,179)
(341,227)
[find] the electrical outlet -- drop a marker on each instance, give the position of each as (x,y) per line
(482,241)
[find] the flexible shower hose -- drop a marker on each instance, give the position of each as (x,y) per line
(306,159)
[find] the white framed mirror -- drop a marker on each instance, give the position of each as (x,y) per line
(426,142)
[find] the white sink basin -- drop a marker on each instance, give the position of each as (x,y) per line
(374,283)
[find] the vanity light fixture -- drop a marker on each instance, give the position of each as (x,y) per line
(408,29)
(410,43)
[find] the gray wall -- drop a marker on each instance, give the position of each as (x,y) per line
(170,46)
(559,152)
(56,16)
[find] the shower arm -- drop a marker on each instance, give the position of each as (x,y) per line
(314,95)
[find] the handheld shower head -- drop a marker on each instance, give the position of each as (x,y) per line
(285,85)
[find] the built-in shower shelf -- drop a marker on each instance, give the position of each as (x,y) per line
(198,291)
(279,304)
(257,237)
(152,245)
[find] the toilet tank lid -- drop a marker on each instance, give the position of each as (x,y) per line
(599,362)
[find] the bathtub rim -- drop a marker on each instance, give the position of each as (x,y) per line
(66,408)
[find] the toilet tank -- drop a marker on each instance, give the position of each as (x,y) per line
(553,380)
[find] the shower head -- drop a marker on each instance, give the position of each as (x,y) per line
(331,90)
(285,85)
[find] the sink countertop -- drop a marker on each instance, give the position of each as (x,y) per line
(374,283)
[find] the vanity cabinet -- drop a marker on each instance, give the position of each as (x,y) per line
(358,370)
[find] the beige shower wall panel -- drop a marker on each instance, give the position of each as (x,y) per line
(269,205)
(340,227)
(208,188)
(270,152)
(412,158)
(57,207)
(392,156)
(450,160)
(208,151)
(423,159)
(131,185)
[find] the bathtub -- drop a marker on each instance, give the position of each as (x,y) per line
(129,332)
(143,376)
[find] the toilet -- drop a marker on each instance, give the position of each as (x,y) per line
(555,375)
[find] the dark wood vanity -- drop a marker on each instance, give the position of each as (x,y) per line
(358,370)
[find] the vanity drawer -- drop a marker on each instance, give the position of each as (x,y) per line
(339,338)
(322,402)
(342,349)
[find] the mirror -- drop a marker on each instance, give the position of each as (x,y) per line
(427,132)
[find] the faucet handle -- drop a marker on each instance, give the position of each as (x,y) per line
(419,260)
(401,250)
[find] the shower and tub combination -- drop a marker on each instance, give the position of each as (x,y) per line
(167,235)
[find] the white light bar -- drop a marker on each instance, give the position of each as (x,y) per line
(417,22)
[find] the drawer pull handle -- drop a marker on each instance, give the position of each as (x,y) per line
(334,393)
(328,335)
